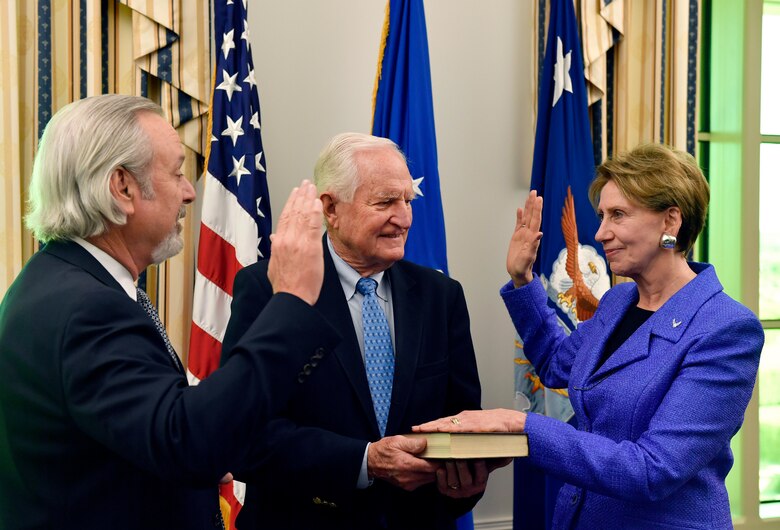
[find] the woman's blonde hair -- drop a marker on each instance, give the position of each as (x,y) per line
(656,177)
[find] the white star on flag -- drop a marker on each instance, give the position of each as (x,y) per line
(239,170)
(250,78)
(234,129)
(245,35)
(561,75)
(258,164)
(229,84)
(259,211)
(416,187)
(232,234)
(227,43)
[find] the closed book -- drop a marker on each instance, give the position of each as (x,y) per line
(473,444)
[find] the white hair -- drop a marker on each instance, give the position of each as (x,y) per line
(336,169)
(81,147)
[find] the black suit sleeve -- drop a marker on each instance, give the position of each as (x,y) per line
(310,458)
(251,293)
(123,391)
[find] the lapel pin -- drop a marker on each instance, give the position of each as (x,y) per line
(676,322)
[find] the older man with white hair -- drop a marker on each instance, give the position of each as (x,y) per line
(335,459)
(98,427)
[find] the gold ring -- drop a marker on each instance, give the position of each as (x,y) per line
(456,421)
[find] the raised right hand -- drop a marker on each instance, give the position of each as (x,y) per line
(296,265)
(524,244)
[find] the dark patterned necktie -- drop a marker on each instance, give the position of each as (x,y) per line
(380,361)
(143,299)
(146,303)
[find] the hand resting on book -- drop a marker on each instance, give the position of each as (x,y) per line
(493,420)
(395,459)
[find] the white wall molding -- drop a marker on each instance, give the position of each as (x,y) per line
(494,524)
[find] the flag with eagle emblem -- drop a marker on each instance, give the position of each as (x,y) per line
(570,263)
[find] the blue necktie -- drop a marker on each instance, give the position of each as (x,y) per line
(380,361)
(143,299)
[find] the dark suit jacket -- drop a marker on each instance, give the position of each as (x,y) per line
(315,449)
(99,430)
(655,420)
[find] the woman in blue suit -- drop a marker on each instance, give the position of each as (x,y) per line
(661,375)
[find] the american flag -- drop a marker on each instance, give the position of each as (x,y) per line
(236,214)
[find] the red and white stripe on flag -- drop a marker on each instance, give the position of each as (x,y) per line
(236,214)
(228,242)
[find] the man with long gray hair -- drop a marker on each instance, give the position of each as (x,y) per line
(98,427)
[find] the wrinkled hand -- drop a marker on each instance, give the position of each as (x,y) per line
(495,463)
(296,265)
(393,460)
(524,243)
(494,420)
(462,478)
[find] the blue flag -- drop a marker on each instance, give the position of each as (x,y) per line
(564,166)
(403,112)
(570,263)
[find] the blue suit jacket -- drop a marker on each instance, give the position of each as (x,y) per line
(99,429)
(655,420)
(315,449)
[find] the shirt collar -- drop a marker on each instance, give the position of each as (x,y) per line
(349,276)
(114,268)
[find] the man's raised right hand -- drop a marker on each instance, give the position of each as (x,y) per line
(296,265)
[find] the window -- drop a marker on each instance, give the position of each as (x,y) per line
(739,150)
(769,264)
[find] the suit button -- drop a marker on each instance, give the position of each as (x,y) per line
(301,377)
(218,520)
(319,353)
(574,499)
(307,369)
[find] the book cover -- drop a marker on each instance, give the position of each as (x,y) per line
(473,444)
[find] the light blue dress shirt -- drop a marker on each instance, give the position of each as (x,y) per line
(349,278)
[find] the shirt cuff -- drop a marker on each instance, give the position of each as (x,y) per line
(363,480)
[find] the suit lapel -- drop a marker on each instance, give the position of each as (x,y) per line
(408,330)
(635,348)
(673,318)
(333,305)
(609,320)
(669,322)
(77,255)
